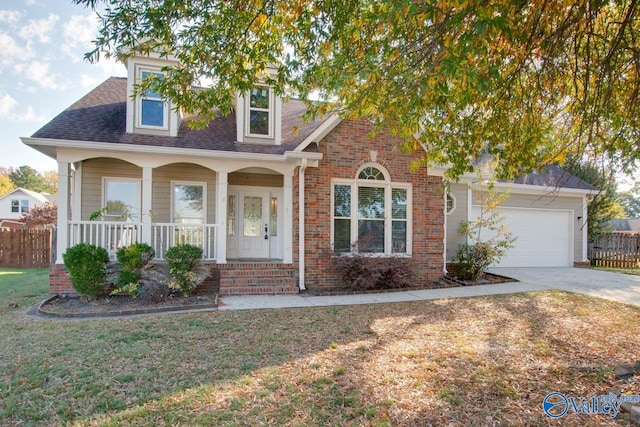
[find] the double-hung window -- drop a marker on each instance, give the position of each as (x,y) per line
(259,114)
(371,214)
(152,108)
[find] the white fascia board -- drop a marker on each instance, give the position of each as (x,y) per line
(540,189)
(322,131)
(106,147)
(437,170)
(312,159)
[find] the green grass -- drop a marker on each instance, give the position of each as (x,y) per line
(23,285)
(472,361)
(631,271)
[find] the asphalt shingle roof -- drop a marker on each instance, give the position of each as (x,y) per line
(100,116)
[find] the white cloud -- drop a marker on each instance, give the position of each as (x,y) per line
(39,29)
(10,16)
(78,33)
(12,52)
(87,81)
(7,104)
(7,111)
(38,72)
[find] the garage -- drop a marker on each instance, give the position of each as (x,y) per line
(544,237)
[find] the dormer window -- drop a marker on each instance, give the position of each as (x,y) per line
(148,112)
(260,113)
(152,108)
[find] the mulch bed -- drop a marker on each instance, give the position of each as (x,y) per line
(446,282)
(121,305)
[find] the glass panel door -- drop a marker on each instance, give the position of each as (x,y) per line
(255,235)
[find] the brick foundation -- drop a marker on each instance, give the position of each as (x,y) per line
(582,264)
(59,282)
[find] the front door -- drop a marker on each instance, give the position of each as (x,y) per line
(253,224)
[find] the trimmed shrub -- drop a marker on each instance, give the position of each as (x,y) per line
(131,259)
(183,261)
(474,259)
(86,266)
(368,273)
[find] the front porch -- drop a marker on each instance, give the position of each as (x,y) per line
(240,216)
(235,277)
(113,235)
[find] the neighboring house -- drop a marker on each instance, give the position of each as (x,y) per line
(18,201)
(625,226)
(267,196)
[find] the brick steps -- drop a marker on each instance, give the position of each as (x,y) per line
(257,279)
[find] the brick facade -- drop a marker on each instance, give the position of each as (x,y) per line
(345,150)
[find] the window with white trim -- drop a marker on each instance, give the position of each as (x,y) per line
(189,202)
(19,206)
(451,203)
(371,214)
(152,109)
(260,112)
(121,199)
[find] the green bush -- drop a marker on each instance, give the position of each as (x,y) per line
(474,259)
(130,260)
(182,261)
(86,266)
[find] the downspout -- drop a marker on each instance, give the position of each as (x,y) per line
(444,240)
(303,167)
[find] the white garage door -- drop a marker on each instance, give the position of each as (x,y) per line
(544,237)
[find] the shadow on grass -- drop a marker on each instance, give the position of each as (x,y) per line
(484,360)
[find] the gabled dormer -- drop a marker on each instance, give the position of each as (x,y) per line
(149,113)
(259,115)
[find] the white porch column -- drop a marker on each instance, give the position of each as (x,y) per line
(63,210)
(287,222)
(221,217)
(76,193)
(147,204)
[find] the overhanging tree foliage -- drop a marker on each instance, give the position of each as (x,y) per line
(605,205)
(527,82)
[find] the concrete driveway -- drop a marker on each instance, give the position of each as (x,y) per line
(614,286)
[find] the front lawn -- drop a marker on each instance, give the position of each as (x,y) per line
(631,271)
(482,361)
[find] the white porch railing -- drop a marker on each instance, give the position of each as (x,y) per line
(110,235)
(166,235)
(113,235)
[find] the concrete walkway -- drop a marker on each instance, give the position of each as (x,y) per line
(618,287)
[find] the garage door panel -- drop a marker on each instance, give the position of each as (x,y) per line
(543,237)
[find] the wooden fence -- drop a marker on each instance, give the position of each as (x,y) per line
(25,248)
(616,250)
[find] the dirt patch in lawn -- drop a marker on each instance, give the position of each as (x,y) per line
(122,305)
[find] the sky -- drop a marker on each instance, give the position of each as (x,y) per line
(43,71)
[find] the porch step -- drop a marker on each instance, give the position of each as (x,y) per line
(258,279)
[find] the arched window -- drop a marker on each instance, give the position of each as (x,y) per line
(371,214)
